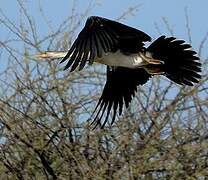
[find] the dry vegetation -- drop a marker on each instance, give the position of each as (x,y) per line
(43,116)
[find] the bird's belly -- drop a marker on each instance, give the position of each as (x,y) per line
(120,59)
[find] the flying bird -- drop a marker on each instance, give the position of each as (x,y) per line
(129,63)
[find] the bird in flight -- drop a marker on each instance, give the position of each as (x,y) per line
(129,63)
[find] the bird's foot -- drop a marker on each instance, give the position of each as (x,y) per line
(154,70)
(149,60)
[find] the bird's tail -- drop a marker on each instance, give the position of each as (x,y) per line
(180,63)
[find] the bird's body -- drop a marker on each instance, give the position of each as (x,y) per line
(129,63)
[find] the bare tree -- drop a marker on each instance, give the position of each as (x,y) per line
(43,115)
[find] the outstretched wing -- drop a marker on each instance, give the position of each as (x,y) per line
(119,89)
(99,36)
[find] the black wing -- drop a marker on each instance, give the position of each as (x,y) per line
(119,89)
(99,36)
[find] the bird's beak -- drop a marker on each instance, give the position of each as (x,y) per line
(50,55)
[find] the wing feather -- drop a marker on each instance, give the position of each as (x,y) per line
(119,90)
(97,43)
(84,58)
(100,40)
(70,51)
(92,51)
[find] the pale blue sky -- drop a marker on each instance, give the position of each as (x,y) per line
(149,13)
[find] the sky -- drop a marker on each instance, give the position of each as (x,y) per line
(150,12)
